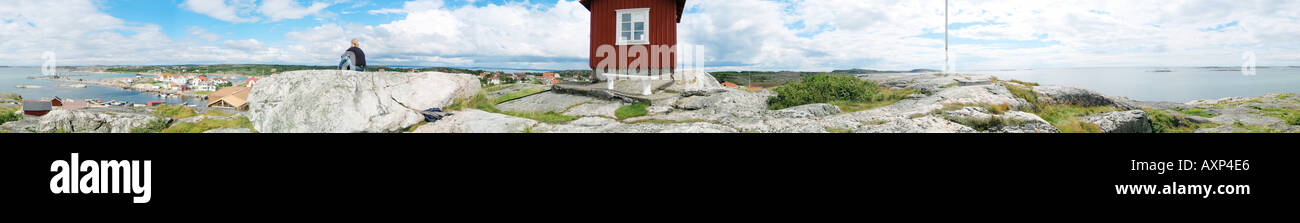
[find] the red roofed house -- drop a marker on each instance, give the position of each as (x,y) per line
(618,26)
(729,84)
(252,80)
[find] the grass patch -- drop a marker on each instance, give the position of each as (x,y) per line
(203,92)
(1196,112)
(481,102)
(1025,83)
(1292,117)
(548,117)
(953,84)
(1252,128)
(9,115)
(157,125)
(208,124)
(848,92)
(1024,93)
(174,111)
(517,95)
(1064,117)
(1162,122)
(634,110)
(839,130)
(1076,126)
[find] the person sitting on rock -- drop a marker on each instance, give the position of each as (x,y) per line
(354,58)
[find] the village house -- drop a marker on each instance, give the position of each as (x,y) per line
(232,97)
(618,26)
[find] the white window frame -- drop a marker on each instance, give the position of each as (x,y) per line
(618,23)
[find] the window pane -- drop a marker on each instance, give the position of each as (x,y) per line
(626,26)
(627,36)
(626,17)
(640,26)
(639,35)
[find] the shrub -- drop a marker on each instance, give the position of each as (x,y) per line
(1076,126)
(9,115)
(208,124)
(1162,122)
(174,111)
(634,110)
(840,90)
(157,125)
(517,95)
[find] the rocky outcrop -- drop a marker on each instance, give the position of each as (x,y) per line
(84,121)
(927,124)
(1080,97)
(544,102)
(347,101)
(694,81)
(810,110)
(477,121)
(1134,121)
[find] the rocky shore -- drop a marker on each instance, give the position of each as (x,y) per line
(345,101)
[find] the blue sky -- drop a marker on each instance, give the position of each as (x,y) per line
(720,35)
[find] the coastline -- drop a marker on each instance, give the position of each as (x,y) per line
(117,83)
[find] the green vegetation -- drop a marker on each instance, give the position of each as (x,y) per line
(1065,117)
(849,93)
(953,84)
(993,122)
(1196,112)
(203,92)
(634,110)
(838,130)
(480,101)
(1292,117)
(9,115)
(760,78)
(1076,126)
(518,94)
(208,124)
(1162,122)
(157,125)
(1027,84)
(1253,128)
(174,111)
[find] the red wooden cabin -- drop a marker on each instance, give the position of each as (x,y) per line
(621,25)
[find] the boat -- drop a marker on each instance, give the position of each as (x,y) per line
(27,86)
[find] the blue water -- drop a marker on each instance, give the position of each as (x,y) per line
(1182,84)
(13,76)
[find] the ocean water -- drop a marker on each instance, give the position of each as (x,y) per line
(1181,84)
(14,76)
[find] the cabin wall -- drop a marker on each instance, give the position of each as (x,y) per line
(663,28)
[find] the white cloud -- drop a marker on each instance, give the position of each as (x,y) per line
(735,34)
(202,34)
(248,45)
(510,35)
(276,10)
(236,11)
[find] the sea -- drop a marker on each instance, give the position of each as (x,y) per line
(1176,84)
(10,77)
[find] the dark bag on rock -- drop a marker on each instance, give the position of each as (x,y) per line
(433,114)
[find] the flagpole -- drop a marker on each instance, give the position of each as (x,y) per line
(945,38)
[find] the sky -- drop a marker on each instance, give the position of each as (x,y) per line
(803,35)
